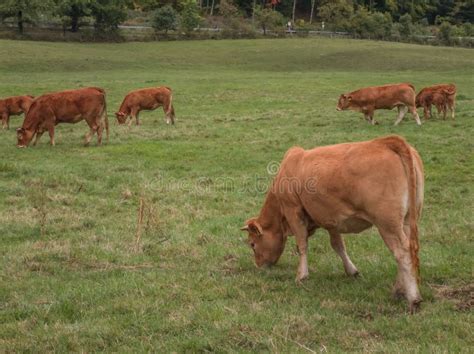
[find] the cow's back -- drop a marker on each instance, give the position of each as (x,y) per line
(146,98)
(386,96)
(343,178)
(66,106)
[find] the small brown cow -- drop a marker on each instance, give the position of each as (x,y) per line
(147,99)
(345,188)
(442,96)
(14,106)
(367,100)
(69,106)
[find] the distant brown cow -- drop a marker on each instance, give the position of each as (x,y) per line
(345,188)
(69,106)
(14,106)
(442,96)
(367,100)
(147,99)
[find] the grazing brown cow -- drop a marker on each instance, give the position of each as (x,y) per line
(147,99)
(69,106)
(14,106)
(345,188)
(442,96)
(367,100)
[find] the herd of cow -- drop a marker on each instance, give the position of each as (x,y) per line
(45,112)
(71,106)
(343,188)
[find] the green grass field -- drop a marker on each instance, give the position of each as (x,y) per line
(73,276)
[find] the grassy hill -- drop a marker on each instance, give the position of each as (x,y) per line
(73,276)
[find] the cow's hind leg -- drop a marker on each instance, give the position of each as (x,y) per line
(397,241)
(90,134)
(451,106)
(413,111)
(100,129)
(51,135)
(402,110)
(339,247)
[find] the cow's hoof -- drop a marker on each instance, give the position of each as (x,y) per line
(415,306)
(354,274)
(398,294)
(302,277)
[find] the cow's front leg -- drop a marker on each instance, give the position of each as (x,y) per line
(37,137)
(367,118)
(426,112)
(300,231)
(137,119)
(302,242)
(337,244)
(5,121)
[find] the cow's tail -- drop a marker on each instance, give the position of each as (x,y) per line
(399,145)
(170,110)
(105,117)
(411,85)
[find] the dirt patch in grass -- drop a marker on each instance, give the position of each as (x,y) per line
(463,296)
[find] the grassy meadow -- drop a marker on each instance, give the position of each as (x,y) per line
(77,274)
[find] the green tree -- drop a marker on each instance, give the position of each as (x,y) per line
(23,11)
(268,18)
(74,10)
(337,14)
(367,24)
(108,14)
(165,19)
(464,11)
(406,26)
(445,33)
(190,18)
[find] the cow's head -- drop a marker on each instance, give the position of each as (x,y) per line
(23,137)
(267,246)
(344,102)
(121,117)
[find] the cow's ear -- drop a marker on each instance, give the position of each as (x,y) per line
(349,97)
(20,130)
(253,227)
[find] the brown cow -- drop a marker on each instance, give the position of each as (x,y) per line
(69,106)
(345,188)
(367,100)
(147,99)
(14,106)
(442,96)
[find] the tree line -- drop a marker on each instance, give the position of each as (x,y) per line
(379,19)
